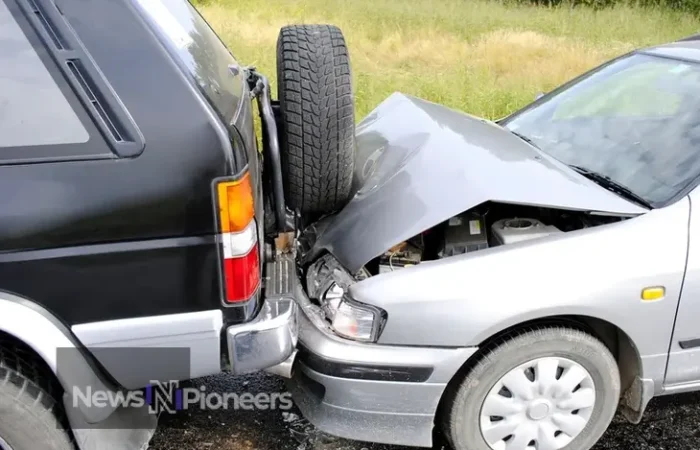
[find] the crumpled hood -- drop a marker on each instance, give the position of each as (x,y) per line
(419,163)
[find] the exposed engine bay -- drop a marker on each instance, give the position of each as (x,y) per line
(488,225)
(485,226)
(432,187)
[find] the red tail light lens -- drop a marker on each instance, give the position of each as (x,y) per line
(242,276)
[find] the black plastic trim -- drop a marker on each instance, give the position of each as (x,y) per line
(56,36)
(105,248)
(237,313)
(405,374)
(96,95)
(99,104)
(691,343)
(39,37)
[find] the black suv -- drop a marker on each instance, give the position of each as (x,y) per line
(137,211)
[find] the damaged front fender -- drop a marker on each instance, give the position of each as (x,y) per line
(595,272)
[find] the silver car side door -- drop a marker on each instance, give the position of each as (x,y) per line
(683,369)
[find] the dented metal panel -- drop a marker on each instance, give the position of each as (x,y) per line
(419,163)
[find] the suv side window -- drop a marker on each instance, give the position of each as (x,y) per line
(33,110)
(53,106)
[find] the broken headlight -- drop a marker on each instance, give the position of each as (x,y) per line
(349,318)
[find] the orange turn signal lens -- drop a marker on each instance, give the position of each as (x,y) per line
(236,208)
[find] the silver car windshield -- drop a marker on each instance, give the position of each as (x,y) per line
(635,120)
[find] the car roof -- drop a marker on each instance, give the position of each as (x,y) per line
(686,49)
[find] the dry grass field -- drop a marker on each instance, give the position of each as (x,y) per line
(483,57)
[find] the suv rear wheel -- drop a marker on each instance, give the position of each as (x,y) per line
(31,416)
(317,117)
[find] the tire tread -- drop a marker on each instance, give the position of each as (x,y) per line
(25,378)
(316,100)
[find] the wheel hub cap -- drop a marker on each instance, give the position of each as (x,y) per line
(539,409)
(541,405)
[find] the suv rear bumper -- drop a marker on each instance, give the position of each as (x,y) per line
(267,341)
(367,391)
(271,338)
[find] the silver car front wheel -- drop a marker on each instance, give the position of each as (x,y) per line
(544,389)
(543,404)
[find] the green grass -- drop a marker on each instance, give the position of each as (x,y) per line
(483,57)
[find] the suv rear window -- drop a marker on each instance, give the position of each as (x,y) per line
(33,110)
(199,50)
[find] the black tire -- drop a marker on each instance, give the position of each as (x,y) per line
(317,117)
(31,416)
(461,420)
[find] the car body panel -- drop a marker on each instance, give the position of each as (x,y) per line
(419,163)
(684,357)
(399,413)
(365,383)
(198,49)
(84,227)
(597,272)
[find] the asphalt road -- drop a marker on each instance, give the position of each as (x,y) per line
(671,423)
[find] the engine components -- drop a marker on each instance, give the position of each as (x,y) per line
(464,233)
(402,255)
(510,231)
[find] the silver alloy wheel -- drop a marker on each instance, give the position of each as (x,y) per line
(541,405)
(4,445)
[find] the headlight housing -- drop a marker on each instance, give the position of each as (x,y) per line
(349,318)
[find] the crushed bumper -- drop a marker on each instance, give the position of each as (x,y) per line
(270,339)
(369,392)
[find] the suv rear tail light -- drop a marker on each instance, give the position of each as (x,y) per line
(236,208)
(239,239)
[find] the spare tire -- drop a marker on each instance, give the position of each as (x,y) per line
(317,118)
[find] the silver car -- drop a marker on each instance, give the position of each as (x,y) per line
(513,283)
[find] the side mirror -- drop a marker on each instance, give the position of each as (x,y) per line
(539,95)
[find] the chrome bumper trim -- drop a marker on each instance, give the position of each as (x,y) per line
(270,339)
(284,369)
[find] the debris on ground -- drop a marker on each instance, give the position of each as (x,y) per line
(671,423)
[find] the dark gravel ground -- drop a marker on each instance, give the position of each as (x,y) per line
(671,423)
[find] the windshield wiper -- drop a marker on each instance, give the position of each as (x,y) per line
(526,139)
(611,185)
(600,179)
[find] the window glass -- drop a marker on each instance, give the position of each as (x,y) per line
(33,110)
(636,121)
